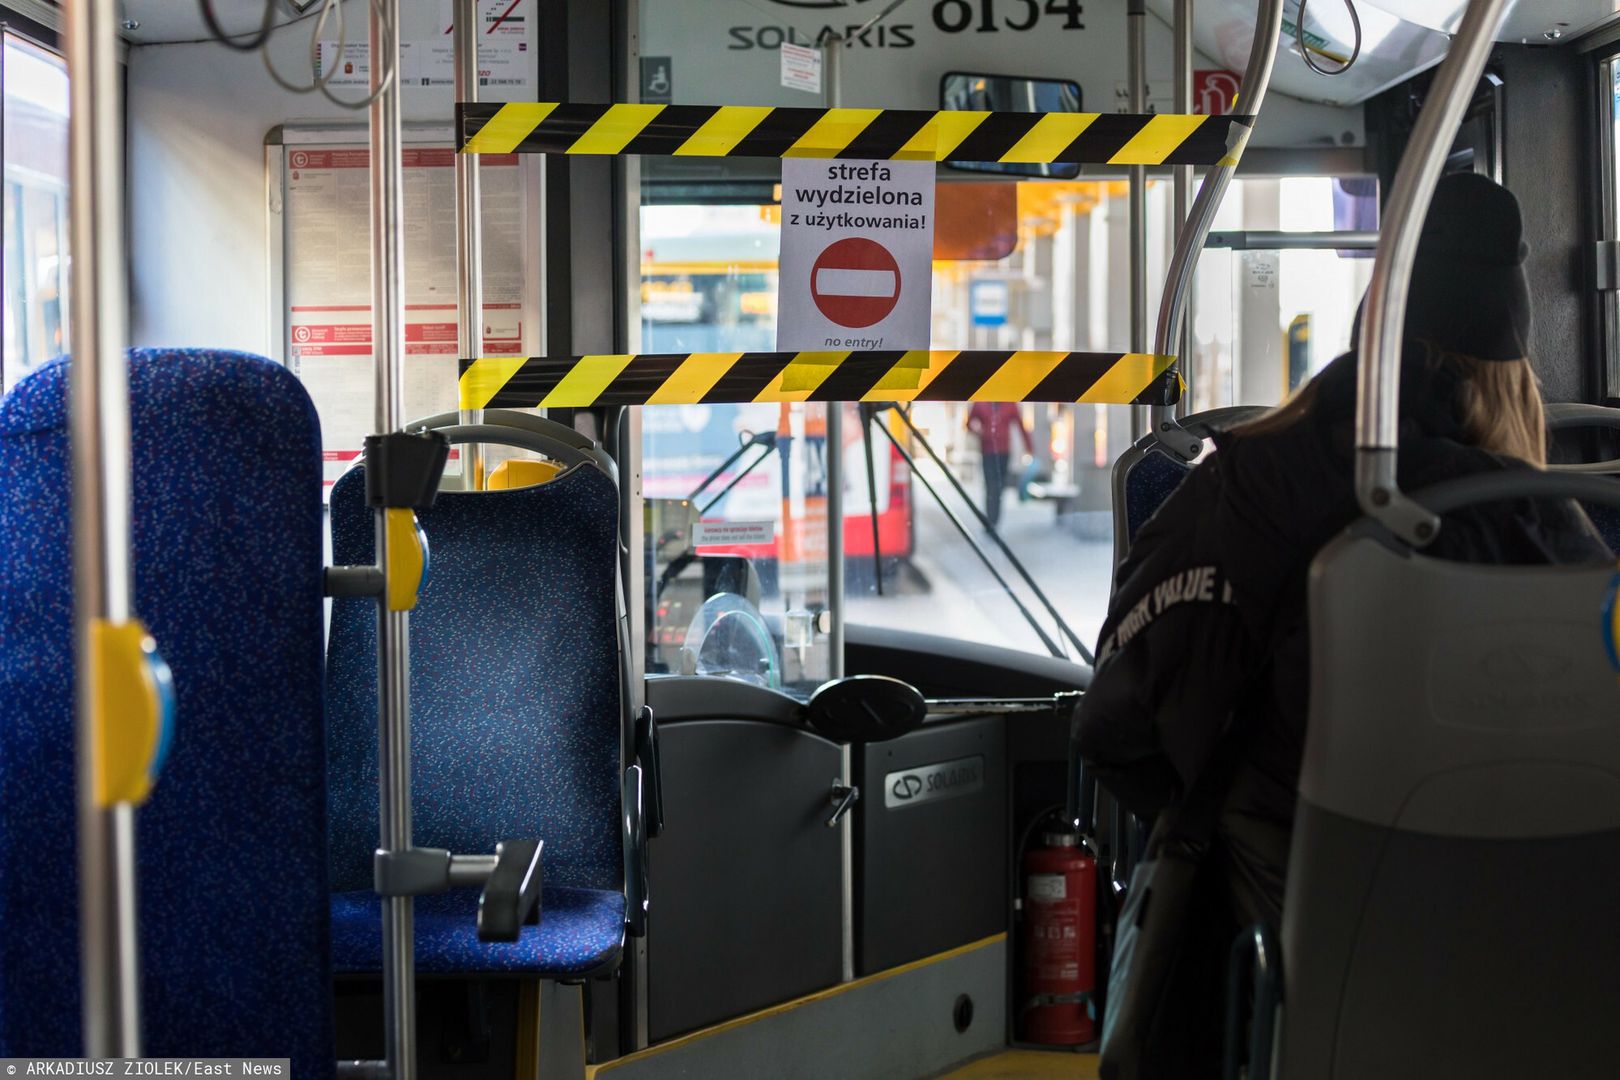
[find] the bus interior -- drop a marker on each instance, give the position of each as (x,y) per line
(447,632)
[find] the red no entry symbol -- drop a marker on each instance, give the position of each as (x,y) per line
(855,282)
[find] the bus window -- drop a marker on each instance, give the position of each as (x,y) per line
(1263,322)
(34,97)
(1039,471)
(736,494)
(1266,321)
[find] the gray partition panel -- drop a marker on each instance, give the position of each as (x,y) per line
(931,842)
(746,901)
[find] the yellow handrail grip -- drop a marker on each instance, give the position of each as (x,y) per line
(407,559)
(126,713)
(522,473)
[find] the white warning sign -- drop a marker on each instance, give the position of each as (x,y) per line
(857,254)
(801,68)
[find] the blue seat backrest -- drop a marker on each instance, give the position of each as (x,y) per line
(227,570)
(515,715)
(1148,484)
(1607,521)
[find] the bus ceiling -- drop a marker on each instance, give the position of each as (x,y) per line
(1397,41)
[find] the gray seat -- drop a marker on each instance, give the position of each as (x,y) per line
(1575,417)
(1454,880)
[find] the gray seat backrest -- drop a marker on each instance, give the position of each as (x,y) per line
(1456,851)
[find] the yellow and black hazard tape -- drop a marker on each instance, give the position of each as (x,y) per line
(885,134)
(919,375)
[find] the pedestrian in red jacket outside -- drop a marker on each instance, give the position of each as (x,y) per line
(994,423)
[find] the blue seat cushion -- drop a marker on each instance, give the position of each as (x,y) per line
(580,931)
(516,725)
(226,543)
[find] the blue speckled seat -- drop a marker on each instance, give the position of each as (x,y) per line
(515,719)
(1607,521)
(1148,484)
(232,844)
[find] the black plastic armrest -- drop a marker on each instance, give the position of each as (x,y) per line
(652,772)
(635,853)
(511,896)
(1256,949)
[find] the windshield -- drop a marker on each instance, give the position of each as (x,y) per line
(985,522)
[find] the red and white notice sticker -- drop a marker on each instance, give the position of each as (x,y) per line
(733,533)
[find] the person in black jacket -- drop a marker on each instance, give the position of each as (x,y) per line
(1205,638)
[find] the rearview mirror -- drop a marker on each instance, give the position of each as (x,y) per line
(1010,93)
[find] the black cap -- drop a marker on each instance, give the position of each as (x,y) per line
(1469,294)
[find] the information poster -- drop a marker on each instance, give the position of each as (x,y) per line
(328,283)
(505,50)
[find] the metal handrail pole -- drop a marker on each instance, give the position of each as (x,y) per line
(393,627)
(469,231)
(1384,317)
(102,578)
(1190,239)
(1182,191)
(1136,47)
(1277,240)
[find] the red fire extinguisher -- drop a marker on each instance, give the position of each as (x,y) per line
(1060,941)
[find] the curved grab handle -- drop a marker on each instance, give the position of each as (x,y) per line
(637,901)
(1255,948)
(1517,484)
(650,759)
(522,438)
(1572,417)
(1206,423)
(1568,415)
(510,418)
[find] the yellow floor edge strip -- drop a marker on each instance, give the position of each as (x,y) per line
(593,1071)
(1028,1065)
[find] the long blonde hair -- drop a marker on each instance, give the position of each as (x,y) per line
(1500,401)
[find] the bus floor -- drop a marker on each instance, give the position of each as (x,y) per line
(1028,1065)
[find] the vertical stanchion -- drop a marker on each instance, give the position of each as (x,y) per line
(469,231)
(1383,318)
(1195,230)
(1136,24)
(109,972)
(834,456)
(1183,33)
(393,627)
(835,441)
